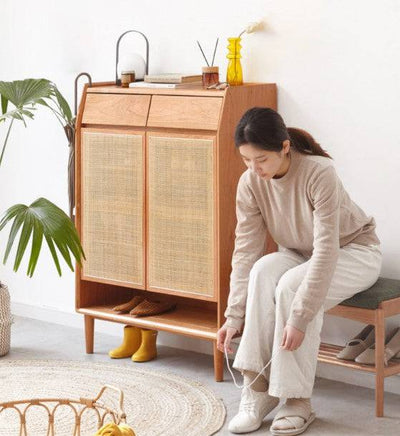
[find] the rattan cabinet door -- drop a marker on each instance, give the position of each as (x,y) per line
(181,221)
(112,207)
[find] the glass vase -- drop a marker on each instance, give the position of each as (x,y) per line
(234,74)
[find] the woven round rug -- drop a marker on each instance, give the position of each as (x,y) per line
(156,403)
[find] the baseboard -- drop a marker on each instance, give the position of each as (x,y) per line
(71,319)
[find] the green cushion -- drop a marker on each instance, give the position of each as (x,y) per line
(382,290)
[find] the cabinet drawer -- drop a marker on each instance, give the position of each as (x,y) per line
(115,109)
(185,112)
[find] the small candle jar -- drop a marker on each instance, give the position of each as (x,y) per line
(210,76)
(127,77)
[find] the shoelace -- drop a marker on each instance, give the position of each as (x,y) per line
(247,406)
(258,375)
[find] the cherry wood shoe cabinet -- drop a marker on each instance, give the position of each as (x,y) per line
(156,177)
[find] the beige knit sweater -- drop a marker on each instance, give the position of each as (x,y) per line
(306,210)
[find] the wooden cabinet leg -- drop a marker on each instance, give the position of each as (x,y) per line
(218,364)
(379,362)
(89,333)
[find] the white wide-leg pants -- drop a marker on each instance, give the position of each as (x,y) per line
(273,282)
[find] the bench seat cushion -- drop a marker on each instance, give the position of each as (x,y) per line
(384,289)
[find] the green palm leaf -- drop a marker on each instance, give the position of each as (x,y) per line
(28,91)
(62,104)
(41,218)
(4,104)
(24,95)
(15,113)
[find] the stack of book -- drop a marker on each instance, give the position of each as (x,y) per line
(167,80)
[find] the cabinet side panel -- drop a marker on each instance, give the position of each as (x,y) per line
(181,214)
(112,206)
(237,101)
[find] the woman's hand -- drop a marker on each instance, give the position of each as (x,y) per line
(224,337)
(292,338)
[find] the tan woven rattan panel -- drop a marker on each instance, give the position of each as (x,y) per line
(181,214)
(112,206)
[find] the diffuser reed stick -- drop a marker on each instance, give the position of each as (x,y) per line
(204,56)
(215,50)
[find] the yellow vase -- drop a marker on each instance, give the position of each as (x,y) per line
(234,74)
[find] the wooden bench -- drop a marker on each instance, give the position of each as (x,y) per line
(372,306)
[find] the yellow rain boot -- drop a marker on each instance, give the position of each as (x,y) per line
(148,347)
(130,344)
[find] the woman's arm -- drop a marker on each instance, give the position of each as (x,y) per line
(325,195)
(250,240)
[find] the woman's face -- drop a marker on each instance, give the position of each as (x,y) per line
(266,164)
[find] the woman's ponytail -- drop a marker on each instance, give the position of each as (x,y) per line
(264,128)
(303,142)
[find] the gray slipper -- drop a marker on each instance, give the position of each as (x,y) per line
(358,344)
(291,413)
(391,350)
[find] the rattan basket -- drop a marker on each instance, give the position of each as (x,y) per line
(103,413)
(5,320)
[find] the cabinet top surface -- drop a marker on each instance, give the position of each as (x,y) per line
(111,88)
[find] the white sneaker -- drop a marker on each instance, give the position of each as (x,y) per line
(254,407)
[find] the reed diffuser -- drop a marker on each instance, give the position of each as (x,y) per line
(210,73)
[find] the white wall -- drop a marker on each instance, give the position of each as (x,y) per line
(336,64)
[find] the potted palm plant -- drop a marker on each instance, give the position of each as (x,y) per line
(41,219)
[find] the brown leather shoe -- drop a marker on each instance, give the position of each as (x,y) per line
(126,307)
(146,308)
